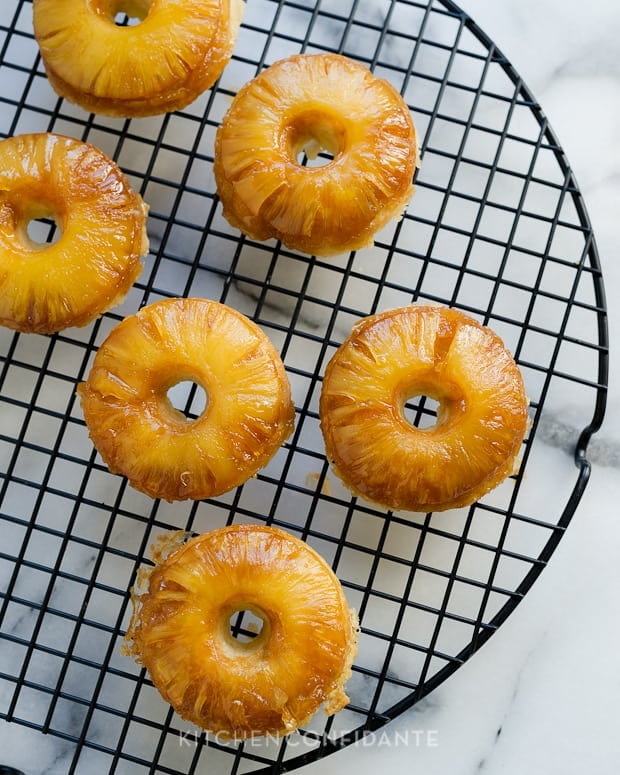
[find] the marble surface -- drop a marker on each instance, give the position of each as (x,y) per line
(541,696)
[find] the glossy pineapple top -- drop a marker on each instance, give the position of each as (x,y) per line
(271,684)
(102,223)
(312,102)
(140,434)
(162,63)
(415,351)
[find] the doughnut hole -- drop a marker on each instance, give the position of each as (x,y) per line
(43,231)
(421,411)
(122,12)
(431,407)
(315,138)
(186,399)
(38,220)
(245,627)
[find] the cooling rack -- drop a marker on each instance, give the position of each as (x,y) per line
(497,227)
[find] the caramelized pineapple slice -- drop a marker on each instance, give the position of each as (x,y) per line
(308,103)
(423,351)
(46,287)
(165,61)
(139,433)
(270,684)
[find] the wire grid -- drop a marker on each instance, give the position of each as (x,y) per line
(497,228)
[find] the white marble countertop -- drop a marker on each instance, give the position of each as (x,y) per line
(541,696)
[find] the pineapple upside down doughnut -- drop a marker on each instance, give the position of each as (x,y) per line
(271,683)
(48,286)
(415,351)
(163,452)
(308,103)
(175,51)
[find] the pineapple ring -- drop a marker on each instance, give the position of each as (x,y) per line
(306,103)
(163,63)
(139,433)
(270,684)
(423,351)
(46,287)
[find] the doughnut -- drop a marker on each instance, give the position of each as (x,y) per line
(163,452)
(269,684)
(482,414)
(309,103)
(48,286)
(175,52)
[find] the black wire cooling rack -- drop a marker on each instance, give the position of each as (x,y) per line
(497,227)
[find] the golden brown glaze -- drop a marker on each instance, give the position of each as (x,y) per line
(164,62)
(308,103)
(46,287)
(138,432)
(272,684)
(414,351)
